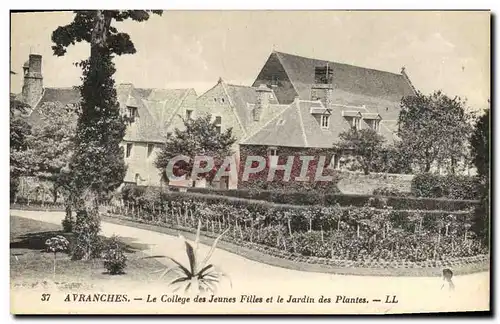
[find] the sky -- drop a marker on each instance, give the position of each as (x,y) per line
(448,51)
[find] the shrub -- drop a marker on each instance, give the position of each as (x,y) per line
(67,222)
(87,227)
(449,186)
(390,191)
(114,257)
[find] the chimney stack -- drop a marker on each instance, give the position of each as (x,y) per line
(263,96)
(33,80)
(323,93)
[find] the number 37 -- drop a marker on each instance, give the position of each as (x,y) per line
(45,297)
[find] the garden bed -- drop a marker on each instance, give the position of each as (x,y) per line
(279,257)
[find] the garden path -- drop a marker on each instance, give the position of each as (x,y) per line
(251,277)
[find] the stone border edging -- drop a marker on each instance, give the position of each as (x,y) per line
(275,257)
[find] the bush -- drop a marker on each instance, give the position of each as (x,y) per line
(87,241)
(390,191)
(114,257)
(448,186)
(67,222)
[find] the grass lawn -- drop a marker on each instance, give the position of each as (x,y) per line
(31,266)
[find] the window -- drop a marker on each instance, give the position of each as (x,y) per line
(131,114)
(189,113)
(222,99)
(129,150)
(215,99)
(354,121)
(272,151)
(218,124)
(374,124)
(325,121)
(150,149)
(169,134)
(274,81)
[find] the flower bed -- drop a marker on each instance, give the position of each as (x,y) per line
(362,236)
(284,258)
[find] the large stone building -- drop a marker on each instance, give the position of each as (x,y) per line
(154,114)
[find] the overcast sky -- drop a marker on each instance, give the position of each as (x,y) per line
(440,50)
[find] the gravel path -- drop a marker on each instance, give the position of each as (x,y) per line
(250,277)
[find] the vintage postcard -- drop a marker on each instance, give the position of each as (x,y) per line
(249,162)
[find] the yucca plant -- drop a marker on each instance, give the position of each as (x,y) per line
(199,277)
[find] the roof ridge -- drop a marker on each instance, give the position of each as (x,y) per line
(223,84)
(301,121)
(329,61)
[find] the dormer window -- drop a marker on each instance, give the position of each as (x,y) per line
(131,114)
(325,121)
(374,124)
(353,122)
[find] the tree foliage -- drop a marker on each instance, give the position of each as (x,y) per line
(365,144)
(97,163)
(20,130)
(434,129)
(50,142)
(480,144)
(199,137)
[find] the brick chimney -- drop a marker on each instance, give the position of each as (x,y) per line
(33,80)
(323,93)
(263,96)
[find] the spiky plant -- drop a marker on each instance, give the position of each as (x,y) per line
(199,277)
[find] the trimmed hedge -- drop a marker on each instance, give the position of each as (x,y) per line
(307,198)
(448,186)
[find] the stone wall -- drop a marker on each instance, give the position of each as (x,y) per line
(359,183)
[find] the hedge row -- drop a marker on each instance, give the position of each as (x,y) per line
(448,186)
(307,198)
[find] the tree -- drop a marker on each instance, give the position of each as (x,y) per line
(480,144)
(200,137)
(365,144)
(97,166)
(434,129)
(50,143)
(19,132)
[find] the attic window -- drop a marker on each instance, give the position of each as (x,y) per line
(274,81)
(215,99)
(222,99)
(131,114)
(325,121)
(323,75)
(218,124)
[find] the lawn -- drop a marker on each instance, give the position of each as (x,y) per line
(31,266)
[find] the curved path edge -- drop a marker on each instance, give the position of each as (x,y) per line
(258,256)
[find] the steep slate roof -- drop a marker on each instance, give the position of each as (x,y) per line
(65,96)
(243,99)
(155,108)
(297,127)
(346,77)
